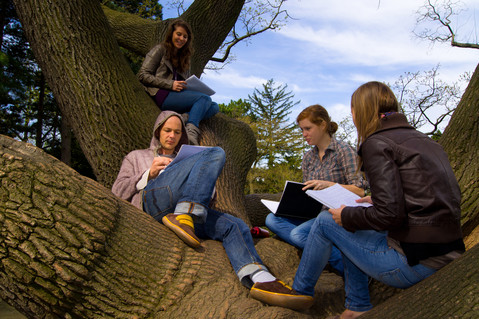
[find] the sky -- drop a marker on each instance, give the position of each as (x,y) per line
(332,47)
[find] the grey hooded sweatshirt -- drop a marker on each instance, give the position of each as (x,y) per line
(137,162)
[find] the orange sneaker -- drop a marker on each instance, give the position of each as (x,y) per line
(277,293)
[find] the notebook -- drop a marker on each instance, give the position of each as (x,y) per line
(335,196)
(294,203)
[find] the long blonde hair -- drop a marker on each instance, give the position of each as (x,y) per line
(369,101)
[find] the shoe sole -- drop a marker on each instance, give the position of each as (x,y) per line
(295,302)
(184,236)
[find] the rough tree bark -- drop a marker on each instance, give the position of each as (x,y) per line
(68,248)
(461,142)
(108,109)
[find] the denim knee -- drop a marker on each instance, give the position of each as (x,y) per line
(270,221)
(205,100)
(213,109)
(217,153)
(324,218)
(239,224)
(298,238)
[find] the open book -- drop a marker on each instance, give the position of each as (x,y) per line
(294,203)
(195,84)
(335,196)
(187,151)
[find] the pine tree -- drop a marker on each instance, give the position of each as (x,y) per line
(276,140)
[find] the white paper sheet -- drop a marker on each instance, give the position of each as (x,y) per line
(195,84)
(335,196)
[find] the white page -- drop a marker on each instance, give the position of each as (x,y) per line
(335,196)
(195,84)
(271,204)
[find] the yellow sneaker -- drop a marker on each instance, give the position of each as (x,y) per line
(182,225)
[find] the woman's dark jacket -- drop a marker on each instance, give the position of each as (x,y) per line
(415,193)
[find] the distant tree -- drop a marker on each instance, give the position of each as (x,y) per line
(239,109)
(426,100)
(17,73)
(263,180)
(347,131)
(279,143)
(28,111)
(271,107)
(434,21)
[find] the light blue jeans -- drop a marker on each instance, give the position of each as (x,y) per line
(191,181)
(199,106)
(365,253)
(295,232)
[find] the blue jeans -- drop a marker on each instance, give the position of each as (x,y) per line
(198,105)
(365,253)
(295,232)
(192,181)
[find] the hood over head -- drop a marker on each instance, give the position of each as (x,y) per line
(165,115)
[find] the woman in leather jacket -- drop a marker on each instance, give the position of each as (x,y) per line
(163,74)
(412,227)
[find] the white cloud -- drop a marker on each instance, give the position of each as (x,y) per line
(369,33)
(233,79)
(334,47)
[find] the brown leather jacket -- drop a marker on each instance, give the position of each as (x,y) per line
(157,71)
(414,191)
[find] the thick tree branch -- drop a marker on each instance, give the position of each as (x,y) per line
(249,21)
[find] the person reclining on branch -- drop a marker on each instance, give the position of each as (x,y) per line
(179,196)
(163,74)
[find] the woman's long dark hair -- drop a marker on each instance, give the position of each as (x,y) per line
(181,61)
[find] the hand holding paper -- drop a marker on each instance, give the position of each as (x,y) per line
(336,212)
(335,196)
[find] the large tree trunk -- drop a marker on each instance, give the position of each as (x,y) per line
(108,109)
(105,104)
(461,142)
(70,249)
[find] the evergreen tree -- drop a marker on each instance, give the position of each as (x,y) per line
(28,111)
(276,140)
(239,109)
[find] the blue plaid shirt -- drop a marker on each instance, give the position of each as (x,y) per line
(338,165)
